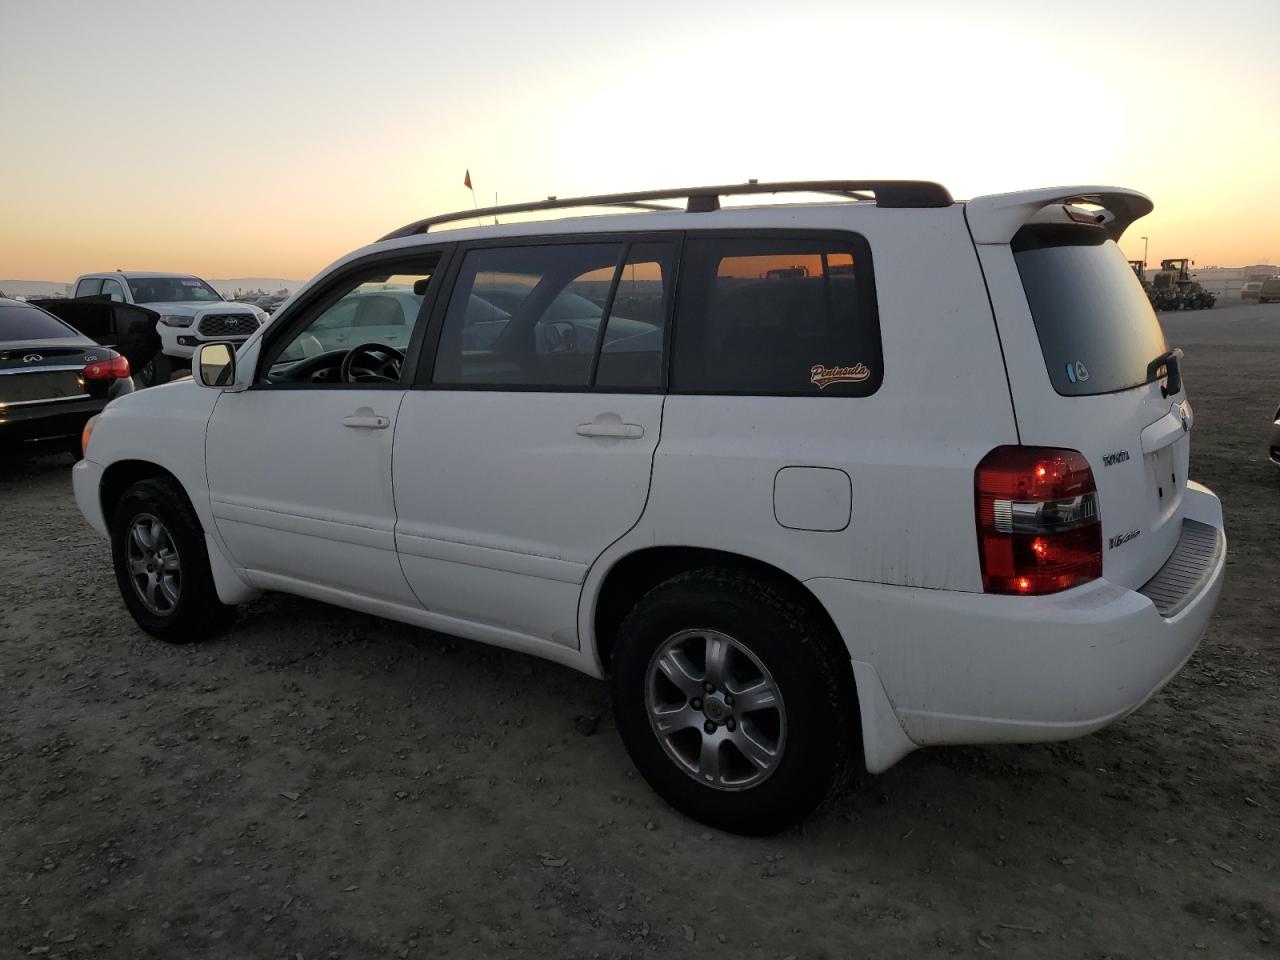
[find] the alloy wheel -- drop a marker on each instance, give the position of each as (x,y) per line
(716,709)
(155,569)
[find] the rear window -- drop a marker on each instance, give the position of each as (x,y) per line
(29,323)
(780,315)
(1097,331)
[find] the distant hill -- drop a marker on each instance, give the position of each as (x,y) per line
(269,284)
(55,288)
(35,288)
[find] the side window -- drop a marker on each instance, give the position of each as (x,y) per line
(631,356)
(557,316)
(375,308)
(777,316)
(111,288)
(89,287)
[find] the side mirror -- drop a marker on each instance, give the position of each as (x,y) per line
(214,365)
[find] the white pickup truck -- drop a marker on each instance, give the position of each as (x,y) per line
(191,313)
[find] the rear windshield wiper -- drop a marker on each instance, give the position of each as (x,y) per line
(1171,362)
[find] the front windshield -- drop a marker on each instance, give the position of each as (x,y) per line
(172,290)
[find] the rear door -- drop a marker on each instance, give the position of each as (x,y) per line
(1081,344)
(528,451)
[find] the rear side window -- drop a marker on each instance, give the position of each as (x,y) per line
(1097,331)
(90,287)
(558,317)
(779,315)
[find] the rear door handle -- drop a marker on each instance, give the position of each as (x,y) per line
(620,431)
(366,422)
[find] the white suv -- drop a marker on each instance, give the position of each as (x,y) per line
(812,484)
(191,313)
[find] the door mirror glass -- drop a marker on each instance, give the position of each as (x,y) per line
(215,365)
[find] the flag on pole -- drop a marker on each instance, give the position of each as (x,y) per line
(466,182)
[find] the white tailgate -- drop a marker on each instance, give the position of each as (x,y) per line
(1134,439)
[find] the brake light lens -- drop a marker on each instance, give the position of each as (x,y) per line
(1038,525)
(114,368)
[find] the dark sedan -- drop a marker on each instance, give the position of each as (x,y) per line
(52,379)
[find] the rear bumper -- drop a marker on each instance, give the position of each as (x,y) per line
(60,422)
(976,668)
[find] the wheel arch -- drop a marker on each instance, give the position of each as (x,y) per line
(881,741)
(123,474)
(633,575)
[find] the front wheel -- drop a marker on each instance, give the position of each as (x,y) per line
(161,564)
(733,701)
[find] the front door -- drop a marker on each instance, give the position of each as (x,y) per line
(529,450)
(299,464)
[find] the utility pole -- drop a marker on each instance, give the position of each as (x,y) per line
(1144,250)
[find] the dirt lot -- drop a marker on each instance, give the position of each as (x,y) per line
(319,784)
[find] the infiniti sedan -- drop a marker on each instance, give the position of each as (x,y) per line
(52,379)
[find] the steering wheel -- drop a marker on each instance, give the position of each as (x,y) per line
(371,362)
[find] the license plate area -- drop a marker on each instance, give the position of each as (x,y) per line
(1163,481)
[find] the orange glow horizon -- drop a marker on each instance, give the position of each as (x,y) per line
(253,140)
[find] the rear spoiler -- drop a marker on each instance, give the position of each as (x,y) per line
(996,218)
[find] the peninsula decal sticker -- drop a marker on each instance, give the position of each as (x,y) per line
(823,376)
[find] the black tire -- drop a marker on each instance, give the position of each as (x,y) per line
(155,371)
(809,667)
(197,612)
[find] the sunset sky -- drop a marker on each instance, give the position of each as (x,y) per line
(266,139)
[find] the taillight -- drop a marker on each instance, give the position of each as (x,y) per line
(1038,526)
(114,368)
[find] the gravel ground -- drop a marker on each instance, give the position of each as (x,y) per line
(318,784)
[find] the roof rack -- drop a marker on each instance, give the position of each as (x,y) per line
(886,193)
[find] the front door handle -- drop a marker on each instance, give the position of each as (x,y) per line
(607,428)
(362,420)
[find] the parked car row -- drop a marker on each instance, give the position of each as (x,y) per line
(191,312)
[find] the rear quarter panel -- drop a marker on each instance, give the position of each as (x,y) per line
(909,450)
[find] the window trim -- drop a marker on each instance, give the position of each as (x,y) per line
(329,291)
(864,277)
(627,239)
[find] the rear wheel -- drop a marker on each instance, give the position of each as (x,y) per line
(155,371)
(732,701)
(161,564)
